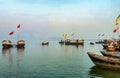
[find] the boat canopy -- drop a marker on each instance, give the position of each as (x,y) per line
(20,41)
(6,41)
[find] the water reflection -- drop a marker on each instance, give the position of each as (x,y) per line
(20,52)
(77,46)
(70,51)
(7,54)
(14,57)
(97,72)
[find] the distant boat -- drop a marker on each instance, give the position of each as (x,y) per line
(61,42)
(105,62)
(114,54)
(20,44)
(91,43)
(7,44)
(45,43)
(75,42)
(101,42)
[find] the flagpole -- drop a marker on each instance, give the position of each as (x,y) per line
(10,35)
(18,36)
(18,28)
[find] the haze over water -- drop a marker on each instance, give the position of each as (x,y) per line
(43,19)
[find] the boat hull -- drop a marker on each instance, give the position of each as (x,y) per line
(74,43)
(61,42)
(111,54)
(7,45)
(20,45)
(105,62)
(45,43)
(91,43)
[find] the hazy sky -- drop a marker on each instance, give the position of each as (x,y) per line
(49,18)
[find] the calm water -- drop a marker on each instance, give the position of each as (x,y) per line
(53,61)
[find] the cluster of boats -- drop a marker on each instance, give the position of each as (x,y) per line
(72,42)
(110,57)
(112,45)
(110,60)
(67,42)
(8,44)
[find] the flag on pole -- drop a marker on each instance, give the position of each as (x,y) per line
(18,27)
(66,36)
(11,33)
(118,19)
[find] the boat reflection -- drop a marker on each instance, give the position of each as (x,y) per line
(20,51)
(6,52)
(77,46)
(70,51)
(14,58)
(97,72)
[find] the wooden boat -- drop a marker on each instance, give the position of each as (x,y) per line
(114,54)
(45,43)
(61,42)
(105,62)
(91,43)
(76,42)
(20,44)
(7,44)
(101,42)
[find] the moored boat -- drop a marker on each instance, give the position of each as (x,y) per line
(7,44)
(91,43)
(76,42)
(101,42)
(61,42)
(45,43)
(105,62)
(20,44)
(114,54)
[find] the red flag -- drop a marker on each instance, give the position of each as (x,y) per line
(11,33)
(18,27)
(114,30)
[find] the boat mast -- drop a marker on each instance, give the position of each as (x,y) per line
(18,28)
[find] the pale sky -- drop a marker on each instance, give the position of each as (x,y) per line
(50,18)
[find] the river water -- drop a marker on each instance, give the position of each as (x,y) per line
(52,61)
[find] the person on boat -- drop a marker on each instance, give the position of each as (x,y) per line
(77,40)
